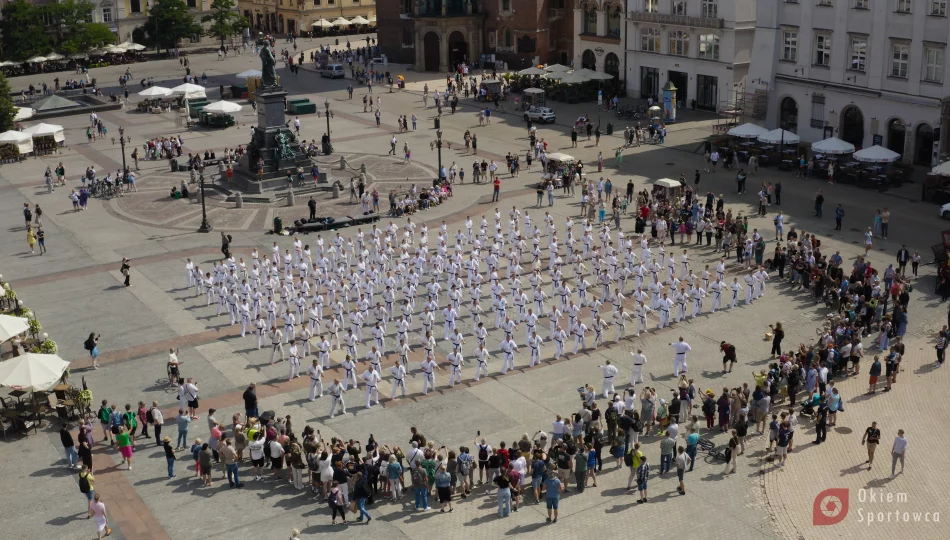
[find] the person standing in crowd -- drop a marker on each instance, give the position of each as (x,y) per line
(898,452)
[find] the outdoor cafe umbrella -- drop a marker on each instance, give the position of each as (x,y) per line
(876,154)
(55,56)
(747,131)
(156,91)
(340,21)
(359,19)
(12,326)
(249,74)
(222,107)
(594,75)
(833,146)
(570,78)
(556,67)
(32,371)
(778,136)
(323,23)
(943,169)
(189,90)
(135,47)
(36,59)
(533,70)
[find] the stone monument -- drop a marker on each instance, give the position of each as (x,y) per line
(273,147)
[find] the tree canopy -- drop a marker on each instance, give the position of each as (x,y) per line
(29,30)
(170,22)
(225,20)
(7,109)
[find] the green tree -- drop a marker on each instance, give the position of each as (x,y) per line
(69,17)
(169,22)
(225,20)
(7,109)
(23,31)
(86,37)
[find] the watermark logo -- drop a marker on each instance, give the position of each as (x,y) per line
(830,507)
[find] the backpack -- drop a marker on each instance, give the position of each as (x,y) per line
(611,415)
(149,417)
(84,486)
(482,453)
(463,467)
(335,500)
(628,458)
(129,420)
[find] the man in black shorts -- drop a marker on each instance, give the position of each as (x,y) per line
(728,355)
(483,450)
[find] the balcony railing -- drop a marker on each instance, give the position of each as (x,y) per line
(675,20)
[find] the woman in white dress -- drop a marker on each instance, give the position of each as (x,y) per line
(102,517)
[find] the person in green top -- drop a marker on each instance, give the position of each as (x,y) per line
(692,440)
(130,421)
(124,441)
(428,464)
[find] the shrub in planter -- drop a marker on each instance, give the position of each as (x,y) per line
(48,347)
(35,327)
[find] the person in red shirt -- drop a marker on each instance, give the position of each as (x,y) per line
(496,189)
(514,477)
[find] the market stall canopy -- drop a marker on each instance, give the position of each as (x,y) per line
(23,113)
(135,47)
(115,49)
(323,23)
(668,183)
(943,169)
(36,60)
(533,70)
(46,130)
(557,156)
(156,91)
(249,74)
(6,63)
(340,21)
(777,136)
(832,145)
(32,371)
(556,67)
(189,91)
(12,326)
(222,107)
(23,141)
(359,19)
(747,131)
(55,56)
(876,154)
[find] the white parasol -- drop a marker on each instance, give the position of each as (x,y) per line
(876,154)
(832,145)
(747,131)
(569,78)
(156,91)
(556,67)
(323,23)
(135,47)
(340,21)
(943,169)
(12,326)
(249,74)
(36,59)
(594,75)
(32,371)
(777,136)
(189,90)
(55,56)
(359,19)
(222,107)
(23,113)
(533,70)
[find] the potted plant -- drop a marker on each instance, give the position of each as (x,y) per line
(35,327)
(48,347)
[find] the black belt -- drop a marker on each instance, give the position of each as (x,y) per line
(611,377)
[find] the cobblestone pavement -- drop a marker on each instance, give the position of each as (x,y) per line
(76,288)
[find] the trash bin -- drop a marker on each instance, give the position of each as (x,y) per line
(610,128)
(174,165)
(278,224)
(438,123)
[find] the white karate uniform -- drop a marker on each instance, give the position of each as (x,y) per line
(336,392)
(371,378)
(316,381)
(609,372)
(638,361)
(679,359)
(399,379)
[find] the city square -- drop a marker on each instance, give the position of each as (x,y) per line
(76,288)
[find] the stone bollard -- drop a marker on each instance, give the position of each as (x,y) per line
(290,197)
(342,163)
(239,200)
(336,191)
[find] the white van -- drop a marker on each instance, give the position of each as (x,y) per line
(333,71)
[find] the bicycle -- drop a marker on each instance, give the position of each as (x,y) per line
(713,452)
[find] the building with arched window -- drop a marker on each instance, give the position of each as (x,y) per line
(436,34)
(599,32)
(867,76)
(701,46)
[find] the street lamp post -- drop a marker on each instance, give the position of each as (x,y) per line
(205,225)
(125,169)
(158,45)
(438,145)
(326,103)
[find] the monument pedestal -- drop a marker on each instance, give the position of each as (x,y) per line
(273,147)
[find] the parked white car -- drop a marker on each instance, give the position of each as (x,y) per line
(945,211)
(540,115)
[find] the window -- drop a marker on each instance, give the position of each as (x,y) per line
(613,22)
(709,46)
(861,4)
(650,6)
(938,8)
(933,64)
(508,38)
(790,46)
(106,15)
(822,50)
(679,7)
(679,43)
(650,40)
(859,53)
(406,8)
(506,5)
(408,37)
(903,6)
(826,3)
(192,4)
(817,110)
(590,21)
(711,9)
(135,6)
(900,53)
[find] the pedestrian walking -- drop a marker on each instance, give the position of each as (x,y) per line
(898,452)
